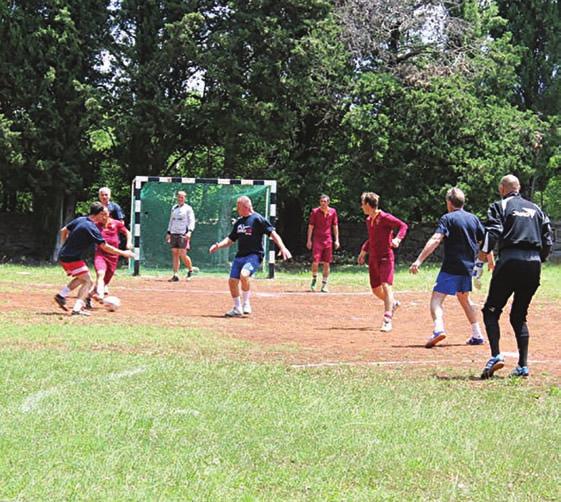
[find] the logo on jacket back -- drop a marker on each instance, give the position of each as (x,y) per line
(525,213)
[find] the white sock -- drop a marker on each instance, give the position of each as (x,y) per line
(78,305)
(64,292)
(237,302)
(245,296)
(100,290)
(439,326)
(476,330)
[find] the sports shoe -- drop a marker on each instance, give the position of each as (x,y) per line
(61,302)
(246,309)
(437,336)
(81,312)
(313,284)
(234,312)
(174,279)
(386,325)
(324,288)
(189,275)
(475,340)
(88,303)
(495,363)
(520,371)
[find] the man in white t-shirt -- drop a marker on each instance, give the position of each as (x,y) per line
(180,227)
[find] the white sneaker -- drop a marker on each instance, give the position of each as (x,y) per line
(246,308)
(234,312)
(386,326)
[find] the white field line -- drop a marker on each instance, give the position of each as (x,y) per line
(33,401)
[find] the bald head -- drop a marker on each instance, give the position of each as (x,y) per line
(508,184)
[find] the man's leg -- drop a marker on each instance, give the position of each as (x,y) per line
(528,281)
(500,289)
(437,314)
(185,259)
(86,284)
(315,266)
(175,264)
(470,310)
(325,277)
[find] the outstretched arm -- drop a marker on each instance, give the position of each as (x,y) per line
(429,248)
(285,253)
(224,243)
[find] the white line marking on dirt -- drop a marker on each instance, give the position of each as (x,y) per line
(32,401)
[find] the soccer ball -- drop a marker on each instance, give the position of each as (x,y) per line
(112,303)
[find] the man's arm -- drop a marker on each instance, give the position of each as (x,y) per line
(336,236)
(285,253)
(309,238)
(108,248)
(493,228)
(429,248)
(190,221)
(547,239)
(224,243)
(128,235)
(64,233)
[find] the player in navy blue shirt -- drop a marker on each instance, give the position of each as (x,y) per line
(77,238)
(461,232)
(248,232)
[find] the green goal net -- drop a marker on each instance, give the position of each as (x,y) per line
(214,205)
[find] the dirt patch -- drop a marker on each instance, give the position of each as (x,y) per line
(337,328)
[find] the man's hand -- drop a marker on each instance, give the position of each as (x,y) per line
(361,258)
(415,266)
(309,244)
(285,253)
(337,245)
(128,254)
(168,238)
(212,249)
(396,241)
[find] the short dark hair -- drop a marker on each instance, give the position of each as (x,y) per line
(96,208)
(370,198)
(456,197)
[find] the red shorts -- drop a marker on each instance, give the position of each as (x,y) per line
(322,253)
(107,263)
(381,271)
(74,268)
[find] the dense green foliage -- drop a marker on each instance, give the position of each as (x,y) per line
(94,92)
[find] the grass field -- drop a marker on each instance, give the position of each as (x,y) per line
(154,412)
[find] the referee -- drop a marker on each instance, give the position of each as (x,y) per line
(523,234)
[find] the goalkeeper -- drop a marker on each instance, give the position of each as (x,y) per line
(461,231)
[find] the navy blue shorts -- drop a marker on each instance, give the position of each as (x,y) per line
(250,262)
(450,284)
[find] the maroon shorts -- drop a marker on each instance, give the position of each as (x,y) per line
(322,253)
(179,241)
(381,271)
(75,268)
(106,263)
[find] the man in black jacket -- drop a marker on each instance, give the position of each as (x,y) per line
(523,234)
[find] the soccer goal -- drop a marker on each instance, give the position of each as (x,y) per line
(214,202)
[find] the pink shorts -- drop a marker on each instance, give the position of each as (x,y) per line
(381,271)
(322,253)
(106,263)
(75,268)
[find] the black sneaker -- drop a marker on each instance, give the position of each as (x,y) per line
(81,313)
(174,279)
(89,305)
(189,274)
(61,302)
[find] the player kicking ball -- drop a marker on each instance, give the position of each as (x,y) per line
(248,231)
(77,237)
